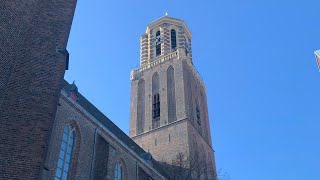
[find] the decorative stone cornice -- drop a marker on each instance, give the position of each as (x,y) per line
(170,20)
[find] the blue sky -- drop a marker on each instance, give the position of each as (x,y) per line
(256,59)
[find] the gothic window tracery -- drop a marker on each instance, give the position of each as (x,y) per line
(65,154)
(158,43)
(118,171)
(156,106)
(155,101)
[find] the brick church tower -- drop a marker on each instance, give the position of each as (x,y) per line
(169,113)
(33,59)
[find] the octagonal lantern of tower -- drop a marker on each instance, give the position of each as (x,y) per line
(163,37)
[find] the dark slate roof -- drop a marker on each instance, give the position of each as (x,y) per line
(107,123)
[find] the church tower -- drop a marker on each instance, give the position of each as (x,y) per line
(169,113)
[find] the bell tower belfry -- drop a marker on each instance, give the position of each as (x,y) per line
(169,112)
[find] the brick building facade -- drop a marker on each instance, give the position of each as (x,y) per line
(169,113)
(50,131)
(98,145)
(33,60)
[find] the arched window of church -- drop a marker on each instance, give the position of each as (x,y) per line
(155,101)
(173,40)
(65,154)
(118,171)
(156,106)
(158,43)
(171,95)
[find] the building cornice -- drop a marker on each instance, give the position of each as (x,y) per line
(171,20)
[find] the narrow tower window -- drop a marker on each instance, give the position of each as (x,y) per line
(158,43)
(198,113)
(156,106)
(173,40)
(155,101)
(65,154)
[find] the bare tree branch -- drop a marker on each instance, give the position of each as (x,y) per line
(184,167)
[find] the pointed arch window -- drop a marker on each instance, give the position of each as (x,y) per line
(65,154)
(155,101)
(156,106)
(158,43)
(173,40)
(118,171)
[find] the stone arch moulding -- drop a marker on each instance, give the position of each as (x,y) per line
(123,165)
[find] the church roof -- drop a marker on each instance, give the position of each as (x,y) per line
(104,120)
(107,123)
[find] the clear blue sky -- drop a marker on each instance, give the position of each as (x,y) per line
(256,58)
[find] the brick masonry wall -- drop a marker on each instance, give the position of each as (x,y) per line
(96,152)
(143,49)
(84,140)
(166,142)
(199,135)
(198,145)
(186,130)
(31,72)
(101,151)
(187,135)
(179,89)
(147,49)
(195,92)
